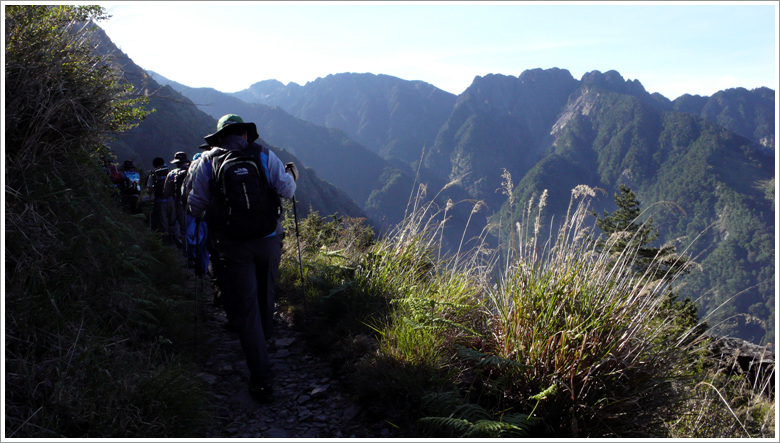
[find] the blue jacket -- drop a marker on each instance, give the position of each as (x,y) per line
(201,175)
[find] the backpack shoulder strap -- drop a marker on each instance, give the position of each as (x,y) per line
(215,151)
(208,158)
(264,159)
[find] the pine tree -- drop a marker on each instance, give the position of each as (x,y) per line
(624,231)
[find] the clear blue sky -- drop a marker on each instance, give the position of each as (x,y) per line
(670,47)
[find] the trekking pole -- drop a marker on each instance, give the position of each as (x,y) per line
(300,260)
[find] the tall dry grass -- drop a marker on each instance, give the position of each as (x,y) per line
(557,331)
(582,321)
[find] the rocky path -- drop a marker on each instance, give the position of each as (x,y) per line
(308,403)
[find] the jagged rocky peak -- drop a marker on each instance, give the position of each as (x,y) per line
(613,81)
(488,81)
(505,89)
(552,74)
(764,92)
(264,88)
(527,77)
(267,84)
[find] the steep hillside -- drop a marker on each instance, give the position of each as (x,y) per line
(750,114)
(499,122)
(175,125)
(711,179)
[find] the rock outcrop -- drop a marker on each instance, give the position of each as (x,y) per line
(741,357)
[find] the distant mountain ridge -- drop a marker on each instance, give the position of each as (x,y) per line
(750,114)
(392,117)
(712,157)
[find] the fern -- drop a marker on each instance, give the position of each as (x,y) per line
(520,420)
(473,420)
(514,425)
(489,428)
(456,425)
(448,400)
(471,412)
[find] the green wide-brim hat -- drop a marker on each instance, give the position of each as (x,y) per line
(232,124)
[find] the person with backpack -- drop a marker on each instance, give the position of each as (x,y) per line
(237,184)
(130,187)
(177,228)
(201,248)
(162,208)
(196,236)
(113,172)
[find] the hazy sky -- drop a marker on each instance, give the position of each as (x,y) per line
(670,47)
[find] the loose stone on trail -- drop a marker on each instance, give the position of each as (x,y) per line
(309,401)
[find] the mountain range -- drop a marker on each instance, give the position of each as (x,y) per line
(702,166)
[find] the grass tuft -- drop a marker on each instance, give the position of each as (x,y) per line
(545,337)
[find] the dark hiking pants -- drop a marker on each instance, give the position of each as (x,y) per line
(181,220)
(161,214)
(247,274)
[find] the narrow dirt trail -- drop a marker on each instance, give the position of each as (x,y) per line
(308,403)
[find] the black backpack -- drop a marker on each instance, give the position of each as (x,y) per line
(159,182)
(246,205)
(178,178)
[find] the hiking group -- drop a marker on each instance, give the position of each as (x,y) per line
(223,209)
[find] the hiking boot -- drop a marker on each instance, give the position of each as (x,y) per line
(263,394)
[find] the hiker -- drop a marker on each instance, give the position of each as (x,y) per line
(130,187)
(201,249)
(203,262)
(248,241)
(196,231)
(113,173)
(172,189)
(162,208)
